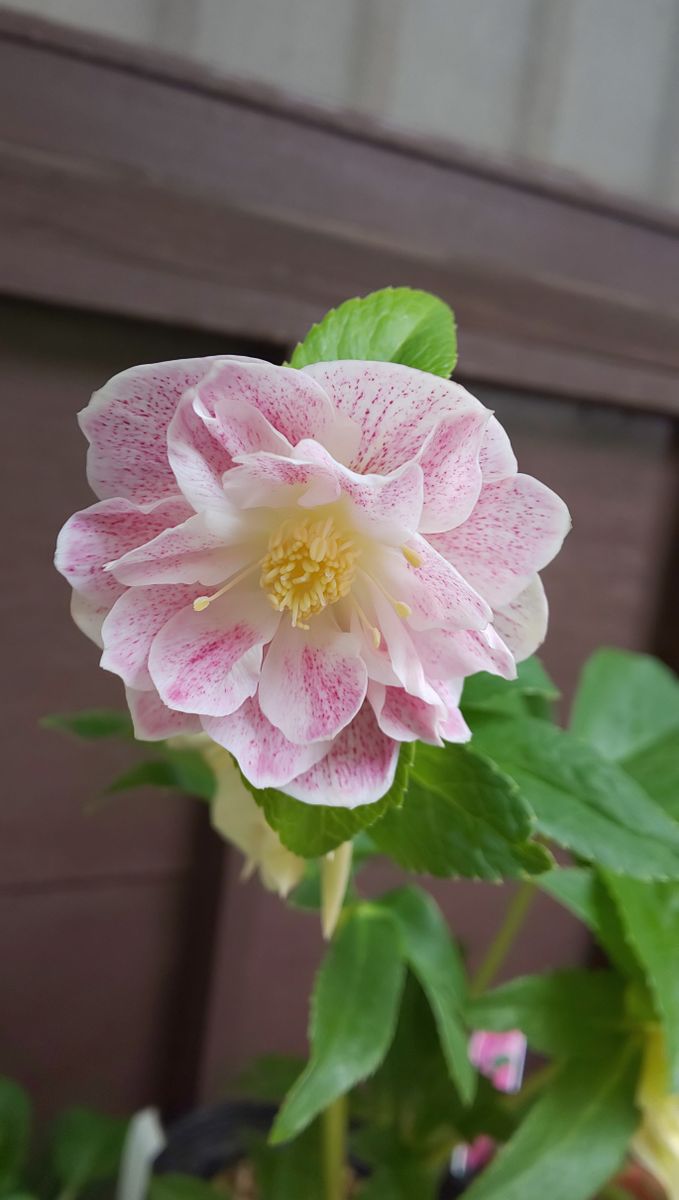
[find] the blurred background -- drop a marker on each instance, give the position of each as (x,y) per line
(182,177)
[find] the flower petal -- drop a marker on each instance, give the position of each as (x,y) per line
(132,624)
(272,481)
(462,652)
(404,717)
(126,423)
(358,769)
(385,506)
(522,623)
(515,529)
(291,403)
(452,474)
(153,721)
(91,538)
(497,459)
(313,682)
(186,553)
(263,754)
(89,616)
(394,406)
(434,590)
(209,662)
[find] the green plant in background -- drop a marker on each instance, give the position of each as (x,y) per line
(389,1079)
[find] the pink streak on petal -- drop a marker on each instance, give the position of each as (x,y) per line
(197,459)
(387,506)
(394,406)
(404,717)
(292,403)
(264,755)
(209,662)
(153,721)
(132,624)
(515,529)
(271,481)
(93,537)
(435,591)
(187,553)
(313,683)
(522,623)
(452,474)
(358,769)
(126,423)
(496,457)
(463,652)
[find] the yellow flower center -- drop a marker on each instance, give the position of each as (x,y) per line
(309,565)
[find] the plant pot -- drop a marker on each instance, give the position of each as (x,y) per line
(208,1141)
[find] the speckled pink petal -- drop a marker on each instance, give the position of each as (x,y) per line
(126,423)
(292,403)
(313,682)
(187,553)
(496,457)
(396,638)
(153,721)
(93,537)
(358,769)
(453,727)
(515,529)
(209,662)
(522,623)
(132,624)
(404,717)
(273,481)
(197,460)
(461,652)
(383,506)
(395,407)
(435,591)
(452,473)
(264,755)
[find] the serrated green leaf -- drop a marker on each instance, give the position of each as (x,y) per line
(650,916)
(86,1147)
(532,693)
(311,830)
(581,891)
(434,960)
(183,770)
(175,1186)
(398,325)
(353,1015)
(15,1125)
(656,769)
(564,1014)
(581,801)
(91,724)
(293,1171)
(625,702)
(461,816)
(574,1137)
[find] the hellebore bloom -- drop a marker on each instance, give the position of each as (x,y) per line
(305,564)
(656,1142)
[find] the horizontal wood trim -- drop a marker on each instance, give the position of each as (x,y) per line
(132,184)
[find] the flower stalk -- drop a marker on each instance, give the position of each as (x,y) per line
(334,1125)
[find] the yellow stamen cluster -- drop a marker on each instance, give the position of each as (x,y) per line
(310,564)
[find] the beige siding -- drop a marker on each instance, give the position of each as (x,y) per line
(591,86)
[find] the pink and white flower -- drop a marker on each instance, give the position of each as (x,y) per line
(305,564)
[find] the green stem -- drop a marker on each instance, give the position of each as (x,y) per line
(335,1119)
(504,938)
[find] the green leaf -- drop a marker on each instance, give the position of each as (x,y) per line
(174,1186)
(625,703)
(91,724)
(311,830)
(656,769)
(397,325)
(86,1147)
(15,1124)
(650,916)
(184,770)
(574,1137)
(562,1013)
(580,890)
(532,693)
(353,1015)
(293,1171)
(435,962)
(461,816)
(402,1176)
(586,804)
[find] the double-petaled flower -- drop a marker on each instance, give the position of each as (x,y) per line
(305,564)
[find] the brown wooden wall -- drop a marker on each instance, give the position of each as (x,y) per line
(148,212)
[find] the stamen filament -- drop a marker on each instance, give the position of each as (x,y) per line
(203,602)
(373,630)
(400,607)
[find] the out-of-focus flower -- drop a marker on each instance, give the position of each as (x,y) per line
(305,564)
(239,819)
(501,1057)
(656,1142)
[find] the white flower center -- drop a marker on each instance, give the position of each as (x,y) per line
(309,565)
